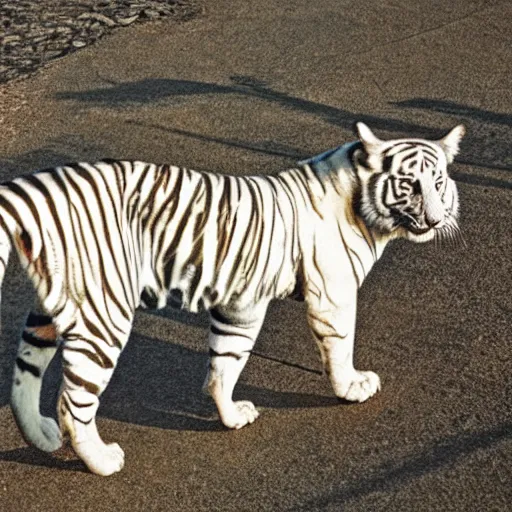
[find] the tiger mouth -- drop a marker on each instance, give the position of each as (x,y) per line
(418,231)
(410,225)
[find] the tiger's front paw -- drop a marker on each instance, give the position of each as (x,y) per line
(102,459)
(243,413)
(360,387)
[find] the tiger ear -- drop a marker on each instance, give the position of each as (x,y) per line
(450,142)
(370,142)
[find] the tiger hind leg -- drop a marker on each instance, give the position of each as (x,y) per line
(36,350)
(88,365)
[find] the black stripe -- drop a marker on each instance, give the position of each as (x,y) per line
(386,163)
(37,183)
(272,227)
(106,229)
(319,270)
(84,174)
(97,355)
(35,341)
(293,188)
(430,160)
(406,158)
(117,217)
(348,250)
(114,341)
(68,400)
(254,250)
(223,240)
(168,258)
(92,265)
(219,332)
(250,232)
(217,315)
(75,379)
(427,150)
(124,312)
(27,367)
(357,155)
(367,234)
(313,172)
(162,176)
(402,145)
(142,177)
(78,405)
(174,197)
(37,320)
(222,251)
(197,253)
(213,354)
(9,208)
(21,192)
(302,185)
(289,193)
(231,215)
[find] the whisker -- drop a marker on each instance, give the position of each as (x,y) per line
(462,240)
(453,242)
(454,234)
(450,233)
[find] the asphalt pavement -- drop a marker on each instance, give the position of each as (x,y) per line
(251,87)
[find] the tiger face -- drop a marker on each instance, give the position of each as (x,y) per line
(406,190)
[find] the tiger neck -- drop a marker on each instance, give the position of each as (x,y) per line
(336,201)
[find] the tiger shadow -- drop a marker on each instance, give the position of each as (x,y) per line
(159,384)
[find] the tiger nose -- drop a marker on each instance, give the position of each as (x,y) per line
(434,213)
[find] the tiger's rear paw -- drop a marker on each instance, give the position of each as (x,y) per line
(52,436)
(362,386)
(104,459)
(243,413)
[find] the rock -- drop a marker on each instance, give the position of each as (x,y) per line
(127,21)
(11,39)
(35,32)
(150,14)
(98,17)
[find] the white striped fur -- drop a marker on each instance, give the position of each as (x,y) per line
(99,240)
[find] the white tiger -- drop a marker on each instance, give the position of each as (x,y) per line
(99,240)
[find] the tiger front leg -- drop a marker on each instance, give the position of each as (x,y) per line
(334,334)
(230,347)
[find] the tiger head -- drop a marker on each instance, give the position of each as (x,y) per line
(405,187)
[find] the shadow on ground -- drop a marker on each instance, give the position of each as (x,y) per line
(397,474)
(484,146)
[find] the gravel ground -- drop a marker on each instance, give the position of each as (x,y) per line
(35,32)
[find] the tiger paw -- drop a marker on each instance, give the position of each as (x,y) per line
(243,413)
(52,437)
(104,459)
(359,388)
